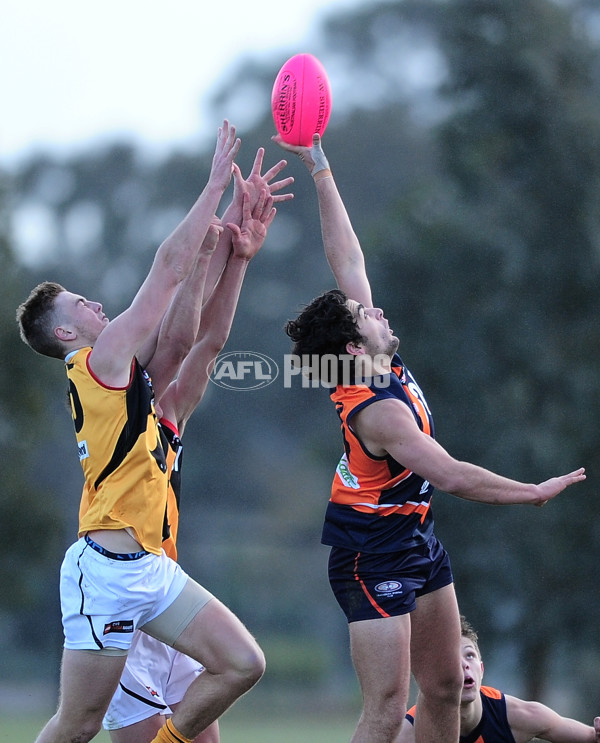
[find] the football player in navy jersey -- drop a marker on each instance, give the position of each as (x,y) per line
(388,571)
(490,716)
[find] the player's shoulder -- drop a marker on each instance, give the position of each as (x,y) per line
(491,692)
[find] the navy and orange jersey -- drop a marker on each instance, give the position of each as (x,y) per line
(120,451)
(493,726)
(174,457)
(377,504)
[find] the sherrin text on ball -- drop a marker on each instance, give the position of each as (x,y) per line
(301,100)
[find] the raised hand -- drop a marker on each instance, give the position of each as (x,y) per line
(226,149)
(313,157)
(256,182)
(248,238)
(551,488)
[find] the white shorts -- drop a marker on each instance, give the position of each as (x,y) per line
(105,600)
(155,676)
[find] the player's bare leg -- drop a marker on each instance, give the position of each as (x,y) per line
(436,665)
(233,663)
(88,681)
(381,657)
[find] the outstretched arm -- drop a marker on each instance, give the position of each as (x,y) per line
(534,720)
(342,247)
(252,185)
(111,356)
(388,427)
(184,394)
(180,326)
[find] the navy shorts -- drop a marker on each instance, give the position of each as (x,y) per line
(370,585)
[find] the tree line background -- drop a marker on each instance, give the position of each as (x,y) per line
(465,142)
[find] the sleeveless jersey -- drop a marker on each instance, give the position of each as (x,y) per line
(173,448)
(377,504)
(493,726)
(174,457)
(120,452)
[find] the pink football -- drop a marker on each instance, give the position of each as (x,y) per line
(301,100)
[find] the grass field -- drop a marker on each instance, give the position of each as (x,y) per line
(234,729)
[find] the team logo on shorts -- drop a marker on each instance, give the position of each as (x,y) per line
(389,587)
(120,626)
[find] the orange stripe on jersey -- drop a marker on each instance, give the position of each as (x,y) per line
(368,486)
(370,475)
(364,488)
(372,601)
(491,692)
(384,509)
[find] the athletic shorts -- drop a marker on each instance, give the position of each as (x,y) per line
(369,585)
(155,677)
(105,597)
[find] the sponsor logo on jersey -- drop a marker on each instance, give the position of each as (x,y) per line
(82,450)
(344,472)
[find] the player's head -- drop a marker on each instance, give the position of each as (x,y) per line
(472,664)
(37,317)
(54,321)
(324,327)
(333,325)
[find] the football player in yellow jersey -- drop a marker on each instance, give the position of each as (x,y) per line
(156,676)
(116,577)
(490,716)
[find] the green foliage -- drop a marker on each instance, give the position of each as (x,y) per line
(28,530)
(500,274)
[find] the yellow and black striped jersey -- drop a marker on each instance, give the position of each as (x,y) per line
(120,452)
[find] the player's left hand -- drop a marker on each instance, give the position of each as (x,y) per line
(248,238)
(256,181)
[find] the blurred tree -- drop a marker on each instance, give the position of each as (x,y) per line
(30,532)
(501,261)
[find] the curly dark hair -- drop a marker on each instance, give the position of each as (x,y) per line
(324,327)
(36,316)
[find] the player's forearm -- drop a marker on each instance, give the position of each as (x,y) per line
(341,244)
(470,482)
(181,322)
(570,731)
(179,327)
(342,248)
(218,313)
(180,250)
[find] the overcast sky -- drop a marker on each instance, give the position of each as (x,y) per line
(73,71)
